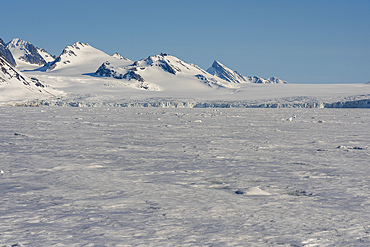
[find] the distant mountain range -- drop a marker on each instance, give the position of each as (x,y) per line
(229,75)
(81,61)
(83,55)
(162,69)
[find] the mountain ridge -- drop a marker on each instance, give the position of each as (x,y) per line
(83,57)
(74,56)
(164,70)
(26,52)
(220,70)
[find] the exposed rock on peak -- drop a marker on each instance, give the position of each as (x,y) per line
(78,45)
(223,72)
(119,56)
(27,52)
(164,62)
(81,58)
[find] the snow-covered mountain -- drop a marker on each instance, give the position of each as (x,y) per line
(9,74)
(24,51)
(223,72)
(119,56)
(81,58)
(7,54)
(271,80)
(166,71)
(220,70)
(15,85)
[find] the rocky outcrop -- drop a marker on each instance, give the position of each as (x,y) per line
(6,53)
(107,70)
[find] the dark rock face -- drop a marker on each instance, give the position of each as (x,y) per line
(10,72)
(207,81)
(104,70)
(51,65)
(255,79)
(131,75)
(33,57)
(167,67)
(277,80)
(6,53)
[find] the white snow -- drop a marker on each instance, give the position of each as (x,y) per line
(45,55)
(239,177)
(15,86)
(80,59)
(16,47)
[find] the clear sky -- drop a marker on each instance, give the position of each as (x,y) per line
(296,40)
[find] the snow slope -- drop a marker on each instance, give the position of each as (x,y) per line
(227,74)
(16,86)
(80,58)
(184,177)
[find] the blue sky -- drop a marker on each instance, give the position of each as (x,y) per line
(296,40)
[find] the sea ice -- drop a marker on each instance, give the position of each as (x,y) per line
(240,177)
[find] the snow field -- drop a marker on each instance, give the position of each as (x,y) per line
(184,177)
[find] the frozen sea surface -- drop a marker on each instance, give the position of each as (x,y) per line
(184,177)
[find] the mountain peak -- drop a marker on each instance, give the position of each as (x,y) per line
(223,72)
(18,42)
(119,56)
(79,45)
(217,64)
(25,51)
(72,49)
(83,56)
